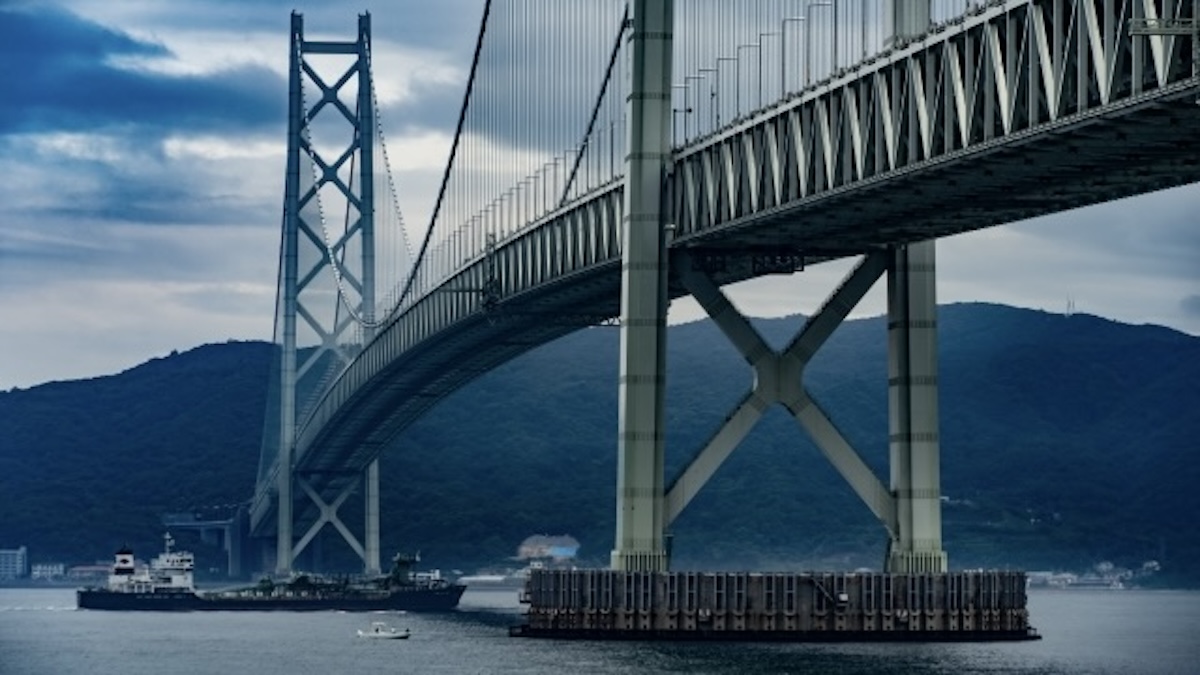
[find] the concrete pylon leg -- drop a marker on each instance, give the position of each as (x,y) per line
(914,447)
(640,523)
(284,553)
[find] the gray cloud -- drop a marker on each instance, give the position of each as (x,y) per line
(61,78)
(433,24)
(144,251)
(1155,233)
(130,181)
(1191,306)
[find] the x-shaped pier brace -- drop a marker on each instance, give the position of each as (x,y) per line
(779,379)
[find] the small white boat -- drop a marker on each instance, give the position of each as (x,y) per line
(382,631)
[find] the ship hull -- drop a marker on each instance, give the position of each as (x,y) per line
(415,600)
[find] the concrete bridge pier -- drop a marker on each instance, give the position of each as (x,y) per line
(640,543)
(371,516)
(913,440)
(910,507)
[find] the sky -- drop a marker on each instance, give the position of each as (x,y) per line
(142,153)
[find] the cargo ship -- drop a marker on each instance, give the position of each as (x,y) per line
(167,584)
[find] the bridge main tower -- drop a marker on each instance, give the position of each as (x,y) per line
(326,286)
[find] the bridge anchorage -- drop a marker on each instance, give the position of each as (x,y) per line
(940,125)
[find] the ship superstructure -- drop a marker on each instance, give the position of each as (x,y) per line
(169,572)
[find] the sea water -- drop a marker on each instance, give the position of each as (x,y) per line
(1084,632)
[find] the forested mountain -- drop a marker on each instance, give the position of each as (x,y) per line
(1065,441)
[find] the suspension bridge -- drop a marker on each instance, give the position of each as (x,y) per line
(609,157)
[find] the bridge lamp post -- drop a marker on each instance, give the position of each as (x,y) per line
(834,34)
(554,190)
(612,148)
(534,208)
(674,111)
(508,214)
(490,225)
(760,62)
(686,79)
(476,229)
(522,193)
(547,200)
(535,181)
(738,83)
(574,171)
(517,208)
(808,38)
(527,203)
(543,175)
(561,187)
(543,196)
(783,48)
(717,93)
(473,234)
(864,26)
(712,96)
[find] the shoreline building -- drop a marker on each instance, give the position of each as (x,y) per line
(14,563)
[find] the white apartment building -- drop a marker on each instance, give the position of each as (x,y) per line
(14,563)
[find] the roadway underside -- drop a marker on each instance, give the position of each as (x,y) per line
(1139,148)
(439,366)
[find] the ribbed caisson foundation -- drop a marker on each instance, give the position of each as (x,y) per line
(817,607)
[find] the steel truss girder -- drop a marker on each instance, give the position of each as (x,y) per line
(779,380)
(1009,70)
